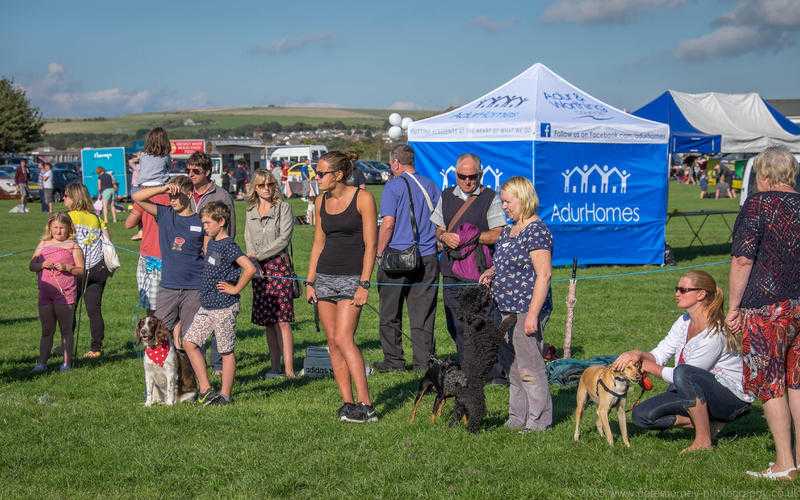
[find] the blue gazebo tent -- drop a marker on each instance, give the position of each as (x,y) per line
(745,123)
(600,173)
(683,137)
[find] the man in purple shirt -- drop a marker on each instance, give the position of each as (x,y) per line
(417,289)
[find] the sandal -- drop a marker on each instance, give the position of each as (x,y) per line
(92,355)
(784,475)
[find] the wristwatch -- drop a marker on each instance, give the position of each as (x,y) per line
(308,283)
(364,284)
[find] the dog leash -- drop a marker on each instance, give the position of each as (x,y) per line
(431,358)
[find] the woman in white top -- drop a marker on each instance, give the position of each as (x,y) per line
(705,388)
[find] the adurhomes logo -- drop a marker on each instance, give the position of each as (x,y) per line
(592,181)
(493,174)
(578,104)
(502,101)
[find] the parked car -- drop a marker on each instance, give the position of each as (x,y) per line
(371,175)
(11,169)
(67,166)
(8,188)
(60,180)
(383,168)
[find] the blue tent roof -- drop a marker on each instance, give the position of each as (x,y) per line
(683,137)
(785,123)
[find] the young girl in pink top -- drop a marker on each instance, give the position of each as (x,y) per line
(58,261)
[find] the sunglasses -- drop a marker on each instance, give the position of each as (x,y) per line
(681,290)
(195,171)
(321,174)
(465,177)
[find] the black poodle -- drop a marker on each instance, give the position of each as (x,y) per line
(481,339)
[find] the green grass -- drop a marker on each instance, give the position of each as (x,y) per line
(223,119)
(86,433)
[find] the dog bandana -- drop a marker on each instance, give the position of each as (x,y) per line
(158,354)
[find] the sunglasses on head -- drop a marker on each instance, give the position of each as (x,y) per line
(195,171)
(681,290)
(465,177)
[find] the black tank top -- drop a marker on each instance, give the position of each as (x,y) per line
(343,253)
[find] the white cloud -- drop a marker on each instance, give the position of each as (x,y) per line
(602,11)
(56,95)
(403,106)
(752,26)
(287,45)
(492,25)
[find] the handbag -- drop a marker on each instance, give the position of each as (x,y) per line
(110,256)
(410,259)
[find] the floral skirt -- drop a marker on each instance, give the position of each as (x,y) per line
(272,295)
(771,349)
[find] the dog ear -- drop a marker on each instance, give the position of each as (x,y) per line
(162,334)
(137,332)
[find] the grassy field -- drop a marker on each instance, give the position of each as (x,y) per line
(86,433)
(224,118)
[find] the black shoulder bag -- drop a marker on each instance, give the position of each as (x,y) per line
(408,260)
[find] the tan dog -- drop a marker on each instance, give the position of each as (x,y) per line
(608,389)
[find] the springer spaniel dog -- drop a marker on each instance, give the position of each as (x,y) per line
(168,375)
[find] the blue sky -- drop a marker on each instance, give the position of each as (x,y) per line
(87,58)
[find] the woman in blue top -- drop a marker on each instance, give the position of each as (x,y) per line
(520,280)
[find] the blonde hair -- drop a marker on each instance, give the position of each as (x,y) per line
(714,303)
(61,218)
(523,190)
(262,176)
(79,195)
(776,165)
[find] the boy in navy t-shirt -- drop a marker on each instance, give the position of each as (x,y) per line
(181,238)
(225,273)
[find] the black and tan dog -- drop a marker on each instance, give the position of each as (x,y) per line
(447,379)
(608,388)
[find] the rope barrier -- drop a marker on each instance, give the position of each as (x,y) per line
(622,275)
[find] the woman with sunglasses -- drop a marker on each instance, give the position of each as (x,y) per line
(268,233)
(339,269)
(705,388)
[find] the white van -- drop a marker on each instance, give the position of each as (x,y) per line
(749,179)
(298,154)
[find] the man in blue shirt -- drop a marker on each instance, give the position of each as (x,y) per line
(418,288)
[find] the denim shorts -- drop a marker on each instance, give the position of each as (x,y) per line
(335,287)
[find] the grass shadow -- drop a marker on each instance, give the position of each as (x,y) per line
(690,253)
(14,321)
(397,395)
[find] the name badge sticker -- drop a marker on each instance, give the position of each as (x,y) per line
(196,229)
(212,261)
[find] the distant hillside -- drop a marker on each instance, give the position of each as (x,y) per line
(184,123)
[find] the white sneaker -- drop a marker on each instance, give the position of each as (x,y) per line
(39,368)
(270,375)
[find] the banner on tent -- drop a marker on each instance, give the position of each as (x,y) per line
(499,163)
(604,203)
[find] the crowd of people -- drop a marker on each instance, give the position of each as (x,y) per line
(696,171)
(190,273)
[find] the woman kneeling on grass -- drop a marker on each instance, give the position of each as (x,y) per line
(342,256)
(706,384)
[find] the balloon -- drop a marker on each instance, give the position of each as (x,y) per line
(406,122)
(395,119)
(395,133)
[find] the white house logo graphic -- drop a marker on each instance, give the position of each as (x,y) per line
(595,179)
(597,182)
(489,174)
